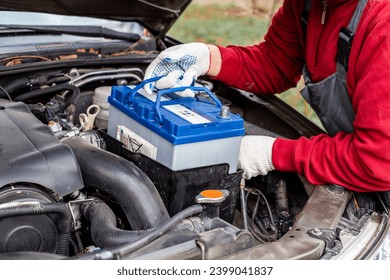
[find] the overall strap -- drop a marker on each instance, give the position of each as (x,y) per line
(305,17)
(305,20)
(346,38)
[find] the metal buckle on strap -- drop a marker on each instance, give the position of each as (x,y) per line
(346,35)
(344,46)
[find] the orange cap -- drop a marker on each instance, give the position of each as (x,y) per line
(212,194)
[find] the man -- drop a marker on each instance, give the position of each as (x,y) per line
(349,91)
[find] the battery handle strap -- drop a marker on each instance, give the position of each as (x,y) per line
(160,93)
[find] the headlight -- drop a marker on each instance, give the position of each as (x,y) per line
(380,246)
(384,250)
(369,242)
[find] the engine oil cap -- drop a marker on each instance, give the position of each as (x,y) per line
(212,196)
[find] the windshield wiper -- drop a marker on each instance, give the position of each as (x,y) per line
(81,30)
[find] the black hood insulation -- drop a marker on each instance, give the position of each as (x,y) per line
(156,15)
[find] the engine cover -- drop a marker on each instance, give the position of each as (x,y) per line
(29,152)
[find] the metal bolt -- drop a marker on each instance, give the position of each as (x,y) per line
(316,231)
(74,73)
(224,113)
(122,82)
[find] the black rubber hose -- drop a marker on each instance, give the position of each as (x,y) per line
(22,83)
(74,247)
(127,249)
(64,223)
(44,91)
(15,85)
(104,232)
(124,181)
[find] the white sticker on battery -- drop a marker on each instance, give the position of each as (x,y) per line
(151,97)
(135,143)
(186,114)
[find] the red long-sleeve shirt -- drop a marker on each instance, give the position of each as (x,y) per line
(359,161)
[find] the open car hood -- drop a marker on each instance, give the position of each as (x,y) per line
(156,15)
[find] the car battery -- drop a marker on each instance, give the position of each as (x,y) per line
(178,189)
(178,132)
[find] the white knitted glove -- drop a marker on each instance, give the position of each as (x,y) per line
(255,156)
(181,64)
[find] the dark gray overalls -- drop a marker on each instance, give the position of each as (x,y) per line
(329,98)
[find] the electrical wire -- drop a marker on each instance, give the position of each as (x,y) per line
(256,227)
(259,193)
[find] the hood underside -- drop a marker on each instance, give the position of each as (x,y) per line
(156,15)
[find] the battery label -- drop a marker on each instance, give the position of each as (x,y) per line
(152,97)
(186,114)
(135,143)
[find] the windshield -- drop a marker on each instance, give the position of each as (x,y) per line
(28,18)
(52,33)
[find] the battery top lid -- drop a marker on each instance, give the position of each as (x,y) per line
(178,119)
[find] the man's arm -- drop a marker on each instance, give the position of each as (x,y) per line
(271,66)
(215,61)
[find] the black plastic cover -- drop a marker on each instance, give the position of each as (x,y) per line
(29,152)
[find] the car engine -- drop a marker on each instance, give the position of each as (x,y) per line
(71,190)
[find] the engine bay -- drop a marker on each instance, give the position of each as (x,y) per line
(70,190)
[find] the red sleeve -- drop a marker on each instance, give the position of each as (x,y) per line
(359,161)
(274,65)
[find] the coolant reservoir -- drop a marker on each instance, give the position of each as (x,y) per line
(178,132)
(100,98)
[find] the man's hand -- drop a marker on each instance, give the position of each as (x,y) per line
(180,65)
(255,156)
